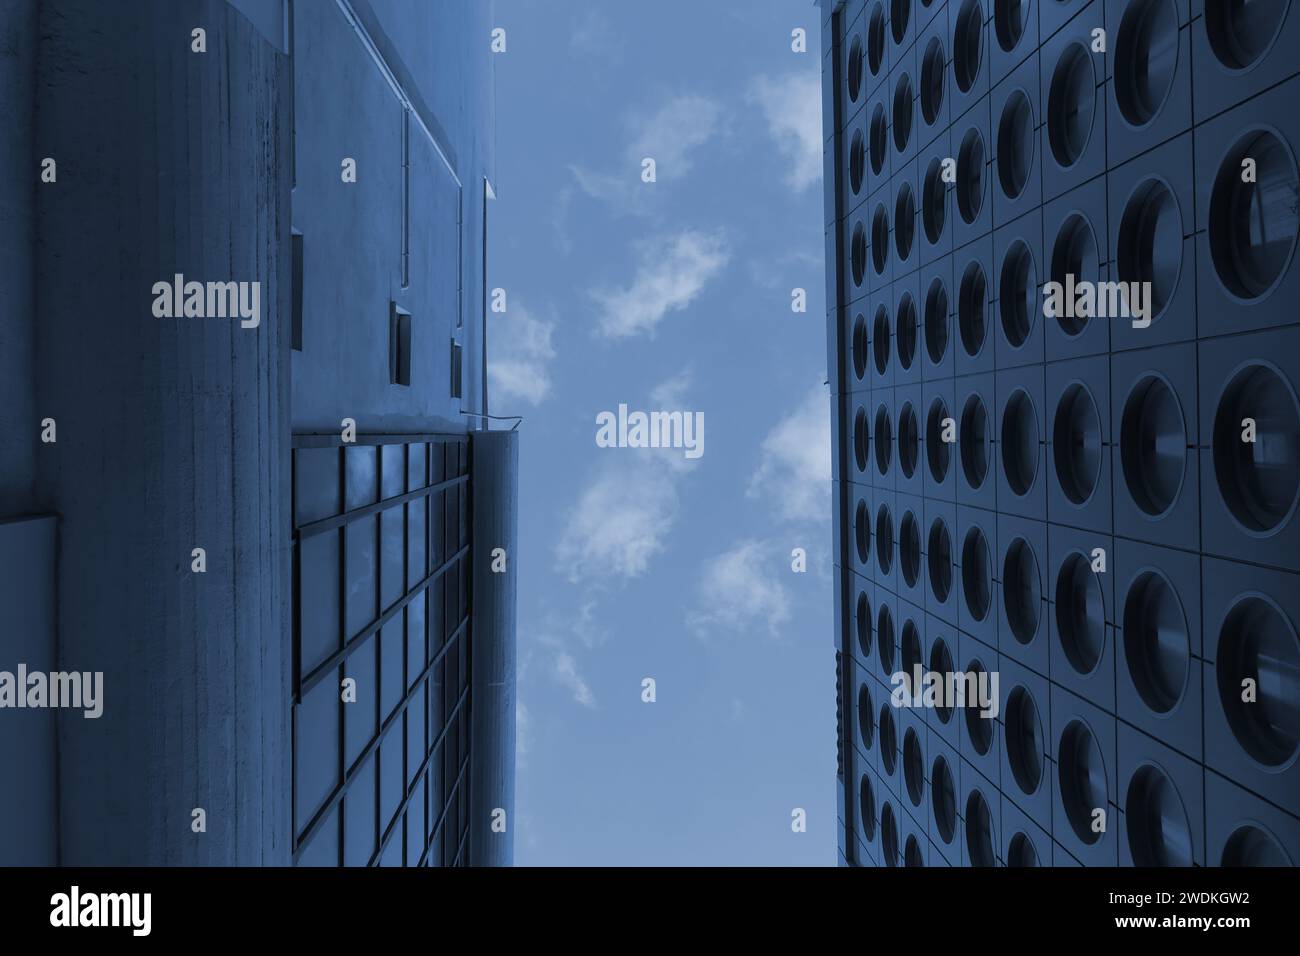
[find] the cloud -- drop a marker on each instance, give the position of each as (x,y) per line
(672,270)
(565,670)
(623,515)
(795,462)
(680,127)
(671,137)
(793,109)
(621,519)
(739,591)
(519,355)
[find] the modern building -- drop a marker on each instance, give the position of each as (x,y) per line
(1098,506)
(246,473)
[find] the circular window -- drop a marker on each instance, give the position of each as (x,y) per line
(906,335)
(941,663)
(1074,261)
(1241,33)
(1150,246)
(899,13)
(1015,156)
(938,555)
(1017,293)
(1157,647)
(902,112)
(1021,591)
(904,221)
(866,716)
(880,238)
(856,57)
(970,175)
(889,834)
(979,726)
(909,561)
(911,653)
(885,639)
(1076,444)
(1071,102)
(860,346)
(979,831)
(976,573)
(912,855)
(1258,643)
(862,618)
(909,440)
(858,253)
(876,39)
(884,440)
(1021,852)
(1146,58)
(1259,480)
(1082,773)
(913,767)
(934,206)
(932,70)
(867,807)
(878,139)
(884,539)
(936,321)
(1080,613)
(880,338)
(1010,17)
(857,161)
(1159,833)
(1024,740)
(1250,845)
(862,532)
(1253,225)
(888,739)
(861,439)
(972,296)
(968,44)
(1020,443)
(936,449)
(1153,445)
(974,440)
(943,797)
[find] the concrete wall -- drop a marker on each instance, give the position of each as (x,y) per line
(346,106)
(19,421)
(28,752)
(172,433)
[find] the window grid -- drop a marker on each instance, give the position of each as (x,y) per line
(381,779)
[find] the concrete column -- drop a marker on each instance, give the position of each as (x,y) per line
(494,459)
(172,432)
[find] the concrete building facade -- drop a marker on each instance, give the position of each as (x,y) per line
(254,503)
(1098,509)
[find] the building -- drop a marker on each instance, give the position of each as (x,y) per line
(1100,509)
(269,511)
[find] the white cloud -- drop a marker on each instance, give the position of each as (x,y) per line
(520,351)
(620,520)
(671,272)
(565,670)
(740,591)
(681,126)
(795,462)
(793,107)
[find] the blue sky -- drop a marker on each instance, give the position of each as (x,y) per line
(672,295)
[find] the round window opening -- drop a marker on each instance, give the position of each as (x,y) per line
(1146,59)
(1241,33)
(1015,155)
(1157,648)
(1071,104)
(1258,643)
(1253,225)
(1017,293)
(1152,445)
(970,176)
(1259,480)
(968,44)
(1150,246)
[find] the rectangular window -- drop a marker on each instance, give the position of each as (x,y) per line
(457,363)
(296,289)
(399,345)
